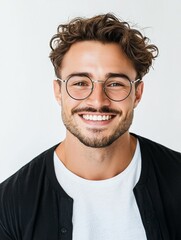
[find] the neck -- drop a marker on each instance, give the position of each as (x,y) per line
(97,163)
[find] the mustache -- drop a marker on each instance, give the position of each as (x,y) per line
(103,109)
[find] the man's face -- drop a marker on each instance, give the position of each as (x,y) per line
(97,121)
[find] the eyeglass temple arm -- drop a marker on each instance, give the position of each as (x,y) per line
(135,81)
(61,80)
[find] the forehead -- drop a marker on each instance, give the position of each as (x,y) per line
(97,58)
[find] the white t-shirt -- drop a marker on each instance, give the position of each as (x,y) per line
(105,209)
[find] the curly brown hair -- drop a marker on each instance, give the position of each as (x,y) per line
(105,28)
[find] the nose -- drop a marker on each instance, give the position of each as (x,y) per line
(98,97)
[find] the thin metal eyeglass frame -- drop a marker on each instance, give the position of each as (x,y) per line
(99,81)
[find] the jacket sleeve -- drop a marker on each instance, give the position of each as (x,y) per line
(4,235)
(9,210)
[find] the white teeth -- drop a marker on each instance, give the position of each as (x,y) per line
(97,117)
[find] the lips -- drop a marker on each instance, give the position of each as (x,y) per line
(97,117)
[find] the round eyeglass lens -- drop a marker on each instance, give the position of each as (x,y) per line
(117,88)
(79,87)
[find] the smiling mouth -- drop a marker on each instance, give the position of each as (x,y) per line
(93,117)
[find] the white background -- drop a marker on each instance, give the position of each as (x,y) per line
(30,119)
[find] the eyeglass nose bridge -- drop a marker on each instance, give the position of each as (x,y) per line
(98,81)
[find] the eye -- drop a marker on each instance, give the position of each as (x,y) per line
(81,83)
(115,84)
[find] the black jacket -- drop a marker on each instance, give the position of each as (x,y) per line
(33,206)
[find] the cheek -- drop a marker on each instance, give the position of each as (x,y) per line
(68,104)
(128,104)
(131,100)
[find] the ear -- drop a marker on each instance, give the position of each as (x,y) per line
(57,91)
(138,93)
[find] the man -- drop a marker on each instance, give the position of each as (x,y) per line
(101,182)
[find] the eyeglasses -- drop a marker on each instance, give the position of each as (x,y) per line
(116,88)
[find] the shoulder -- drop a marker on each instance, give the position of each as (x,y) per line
(25,180)
(162,162)
(20,194)
(157,150)
(31,170)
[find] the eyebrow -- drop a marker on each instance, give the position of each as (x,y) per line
(108,75)
(122,75)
